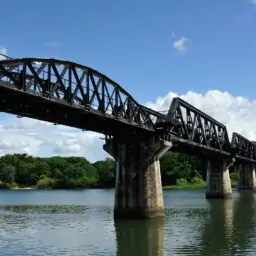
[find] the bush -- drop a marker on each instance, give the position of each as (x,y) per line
(45,183)
(4,185)
(13,185)
(234,176)
(181,182)
(197,180)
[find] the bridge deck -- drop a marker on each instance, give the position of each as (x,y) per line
(71,94)
(34,105)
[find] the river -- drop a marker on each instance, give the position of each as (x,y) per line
(80,222)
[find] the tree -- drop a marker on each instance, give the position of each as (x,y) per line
(78,172)
(106,172)
(7,173)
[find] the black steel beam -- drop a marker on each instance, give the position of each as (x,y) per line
(194,126)
(68,93)
(243,148)
(78,86)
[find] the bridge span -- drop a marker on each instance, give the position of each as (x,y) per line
(67,93)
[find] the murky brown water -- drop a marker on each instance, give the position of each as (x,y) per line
(81,223)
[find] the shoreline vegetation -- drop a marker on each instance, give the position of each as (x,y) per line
(187,186)
(25,172)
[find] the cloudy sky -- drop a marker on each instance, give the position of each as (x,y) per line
(202,51)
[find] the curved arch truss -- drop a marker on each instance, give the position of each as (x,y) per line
(67,93)
(244,149)
(189,126)
(75,85)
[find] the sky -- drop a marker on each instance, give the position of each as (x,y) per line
(202,51)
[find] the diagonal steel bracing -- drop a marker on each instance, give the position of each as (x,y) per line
(244,149)
(68,93)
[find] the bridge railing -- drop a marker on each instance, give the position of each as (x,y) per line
(83,87)
(76,85)
(3,56)
(189,125)
(243,148)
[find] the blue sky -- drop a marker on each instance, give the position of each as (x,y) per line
(131,41)
(149,47)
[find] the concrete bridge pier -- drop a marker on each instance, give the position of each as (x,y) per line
(138,190)
(246,176)
(218,180)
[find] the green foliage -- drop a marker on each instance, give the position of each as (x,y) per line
(7,172)
(4,185)
(56,172)
(175,166)
(76,172)
(106,172)
(181,182)
(45,183)
(234,176)
(197,180)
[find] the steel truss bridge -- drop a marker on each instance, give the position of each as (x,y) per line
(67,93)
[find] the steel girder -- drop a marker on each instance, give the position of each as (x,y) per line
(243,149)
(88,91)
(78,86)
(189,125)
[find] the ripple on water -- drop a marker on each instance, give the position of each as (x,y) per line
(192,226)
(54,230)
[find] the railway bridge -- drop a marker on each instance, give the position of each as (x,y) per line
(67,93)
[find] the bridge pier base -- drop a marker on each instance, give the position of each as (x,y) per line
(218,180)
(246,176)
(138,190)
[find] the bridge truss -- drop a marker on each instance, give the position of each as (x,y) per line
(68,93)
(243,149)
(191,127)
(73,85)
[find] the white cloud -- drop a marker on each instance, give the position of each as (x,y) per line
(3,51)
(35,137)
(237,113)
(180,45)
(253,1)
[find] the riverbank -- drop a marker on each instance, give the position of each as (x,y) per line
(194,186)
(22,188)
(181,186)
(184,186)
(24,172)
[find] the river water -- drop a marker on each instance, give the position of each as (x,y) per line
(80,222)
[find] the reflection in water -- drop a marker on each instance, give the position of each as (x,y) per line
(228,230)
(30,225)
(244,222)
(55,230)
(216,236)
(144,238)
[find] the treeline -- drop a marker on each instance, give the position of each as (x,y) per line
(22,170)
